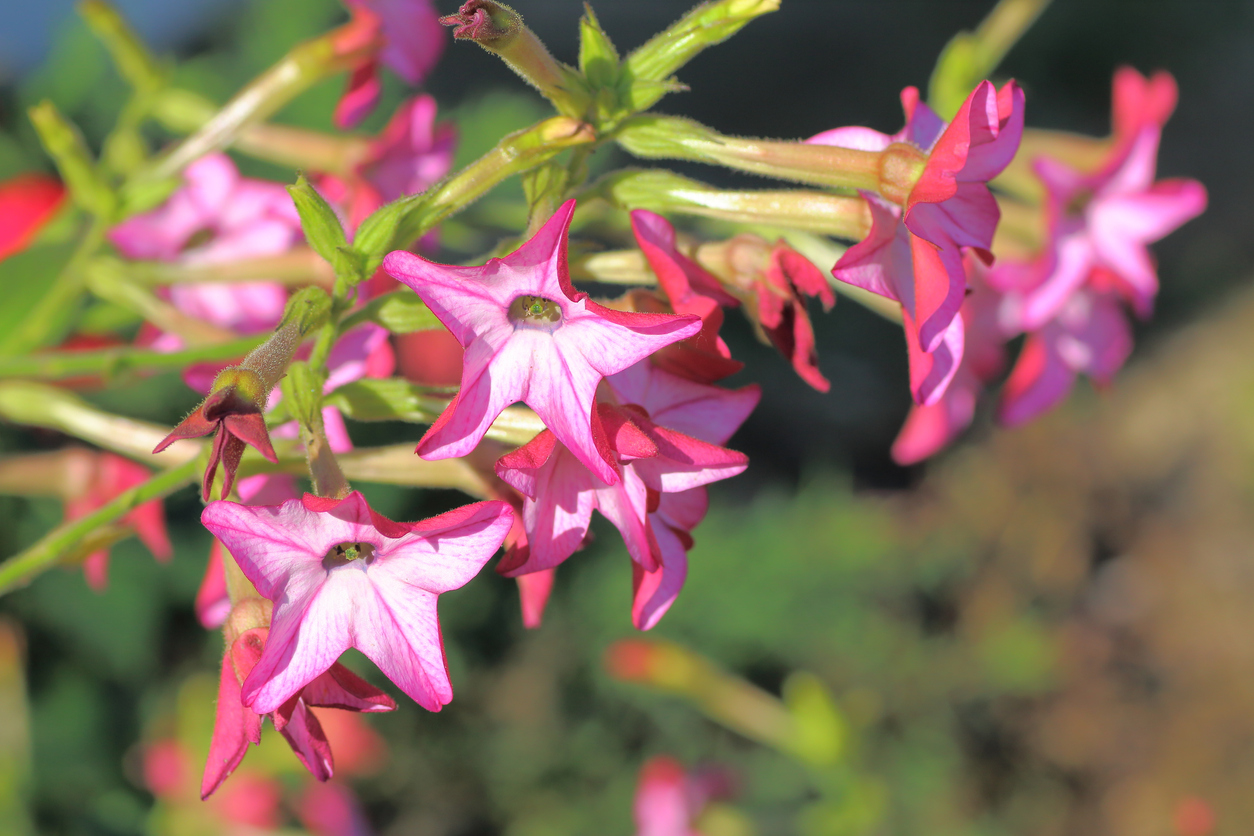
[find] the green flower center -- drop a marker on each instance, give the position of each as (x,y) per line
(535,311)
(345,553)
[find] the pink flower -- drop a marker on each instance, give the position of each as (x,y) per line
(708,413)
(344,576)
(669,800)
(688,286)
(410,155)
(659,498)
(332,809)
(213,603)
(1105,219)
(530,336)
(412,42)
(929,429)
(949,207)
(236,725)
(1089,335)
(106,476)
(238,218)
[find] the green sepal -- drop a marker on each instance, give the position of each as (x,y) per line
(705,25)
(819,729)
(309,307)
(322,228)
(302,389)
(598,59)
(386,399)
(374,235)
(65,144)
(401,312)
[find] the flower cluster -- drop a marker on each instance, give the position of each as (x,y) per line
(286,307)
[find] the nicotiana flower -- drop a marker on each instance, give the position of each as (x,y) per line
(688,286)
(948,208)
(411,154)
(530,336)
(1089,335)
(343,576)
(659,498)
(413,40)
(669,799)
(27,203)
(104,476)
(218,216)
(1105,219)
(236,725)
(233,412)
(928,429)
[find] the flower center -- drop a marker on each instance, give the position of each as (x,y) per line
(535,312)
(345,553)
(1078,203)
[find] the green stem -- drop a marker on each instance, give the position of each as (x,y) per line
(300,266)
(21,569)
(111,363)
(1003,27)
(38,327)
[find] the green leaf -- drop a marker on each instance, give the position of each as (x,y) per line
(310,307)
(401,312)
(598,59)
(323,229)
(386,399)
(24,278)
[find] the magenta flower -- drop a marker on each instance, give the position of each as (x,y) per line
(411,154)
(670,800)
(344,576)
(1105,220)
(413,40)
(1089,335)
(689,287)
(104,476)
(530,336)
(948,208)
(235,725)
(708,413)
(238,218)
(659,498)
(929,429)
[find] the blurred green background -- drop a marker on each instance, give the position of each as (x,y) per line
(1047,632)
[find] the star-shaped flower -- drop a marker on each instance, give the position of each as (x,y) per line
(341,575)
(530,336)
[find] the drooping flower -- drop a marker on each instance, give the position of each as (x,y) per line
(659,499)
(104,476)
(27,203)
(218,216)
(530,336)
(236,725)
(233,412)
(690,288)
(708,413)
(411,154)
(1089,335)
(344,576)
(413,40)
(913,254)
(1105,219)
(929,429)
